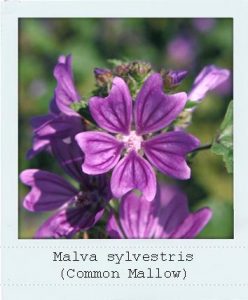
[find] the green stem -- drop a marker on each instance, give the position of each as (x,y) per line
(203,147)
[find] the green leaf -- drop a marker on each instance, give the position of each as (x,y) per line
(191,104)
(223,143)
(83,109)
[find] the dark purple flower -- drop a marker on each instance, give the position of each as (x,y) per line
(167,216)
(208,79)
(62,121)
(153,110)
(52,127)
(77,209)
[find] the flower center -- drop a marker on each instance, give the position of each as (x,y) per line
(132,141)
(83,199)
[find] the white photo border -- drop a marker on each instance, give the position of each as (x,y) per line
(219,271)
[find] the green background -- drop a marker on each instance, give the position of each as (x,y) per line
(91,42)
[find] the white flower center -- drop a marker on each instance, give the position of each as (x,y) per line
(132,141)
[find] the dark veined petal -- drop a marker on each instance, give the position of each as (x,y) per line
(48,191)
(171,210)
(193,224)
(113,113)
(69,156)
(102,151)
(51,127)
(133,172)
(65,92)
(208,79)
(67,222)
(167,216)
(154,109)
(167,152)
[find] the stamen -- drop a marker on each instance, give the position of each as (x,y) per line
(132,141)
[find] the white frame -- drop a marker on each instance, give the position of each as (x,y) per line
(219,270)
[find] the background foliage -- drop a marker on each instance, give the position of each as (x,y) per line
(170,43)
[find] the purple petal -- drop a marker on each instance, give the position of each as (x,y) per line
(171,210)
(133,172)
(137,217)
(67,222)
(53,107)
(48,191)
(167,152)
(114,112)
(113,228)
(39,121)
(208,79)
(50,127)
(167,216)
(38,146)
(193,224)
(174,78)
(65,92)
(159,218)
(69,156)
(102,151)
(154,109)
(60,126)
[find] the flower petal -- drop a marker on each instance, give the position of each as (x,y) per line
(67,222)
(69,156)
(65,92)
(171,210)
(113,228)
(48,191)
(51,127)
(208,79)
(136,216)
(167,152)
(38,146)
(133,172)
(102,151)
(154,109)
(159,218)
(114,112)
(193,224)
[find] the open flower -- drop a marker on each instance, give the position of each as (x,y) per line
(167,216)
(77,209)
(131,133)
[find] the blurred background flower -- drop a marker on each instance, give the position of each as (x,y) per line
(187,44)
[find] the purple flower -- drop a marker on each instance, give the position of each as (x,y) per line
(204,24)
(62,121)
(153,110)
(167,216)
(65,91)
(76,209)
(181,51)
(208,79)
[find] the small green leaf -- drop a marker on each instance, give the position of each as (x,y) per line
(116,62)
(223,143)
(191,104)
(83,109)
